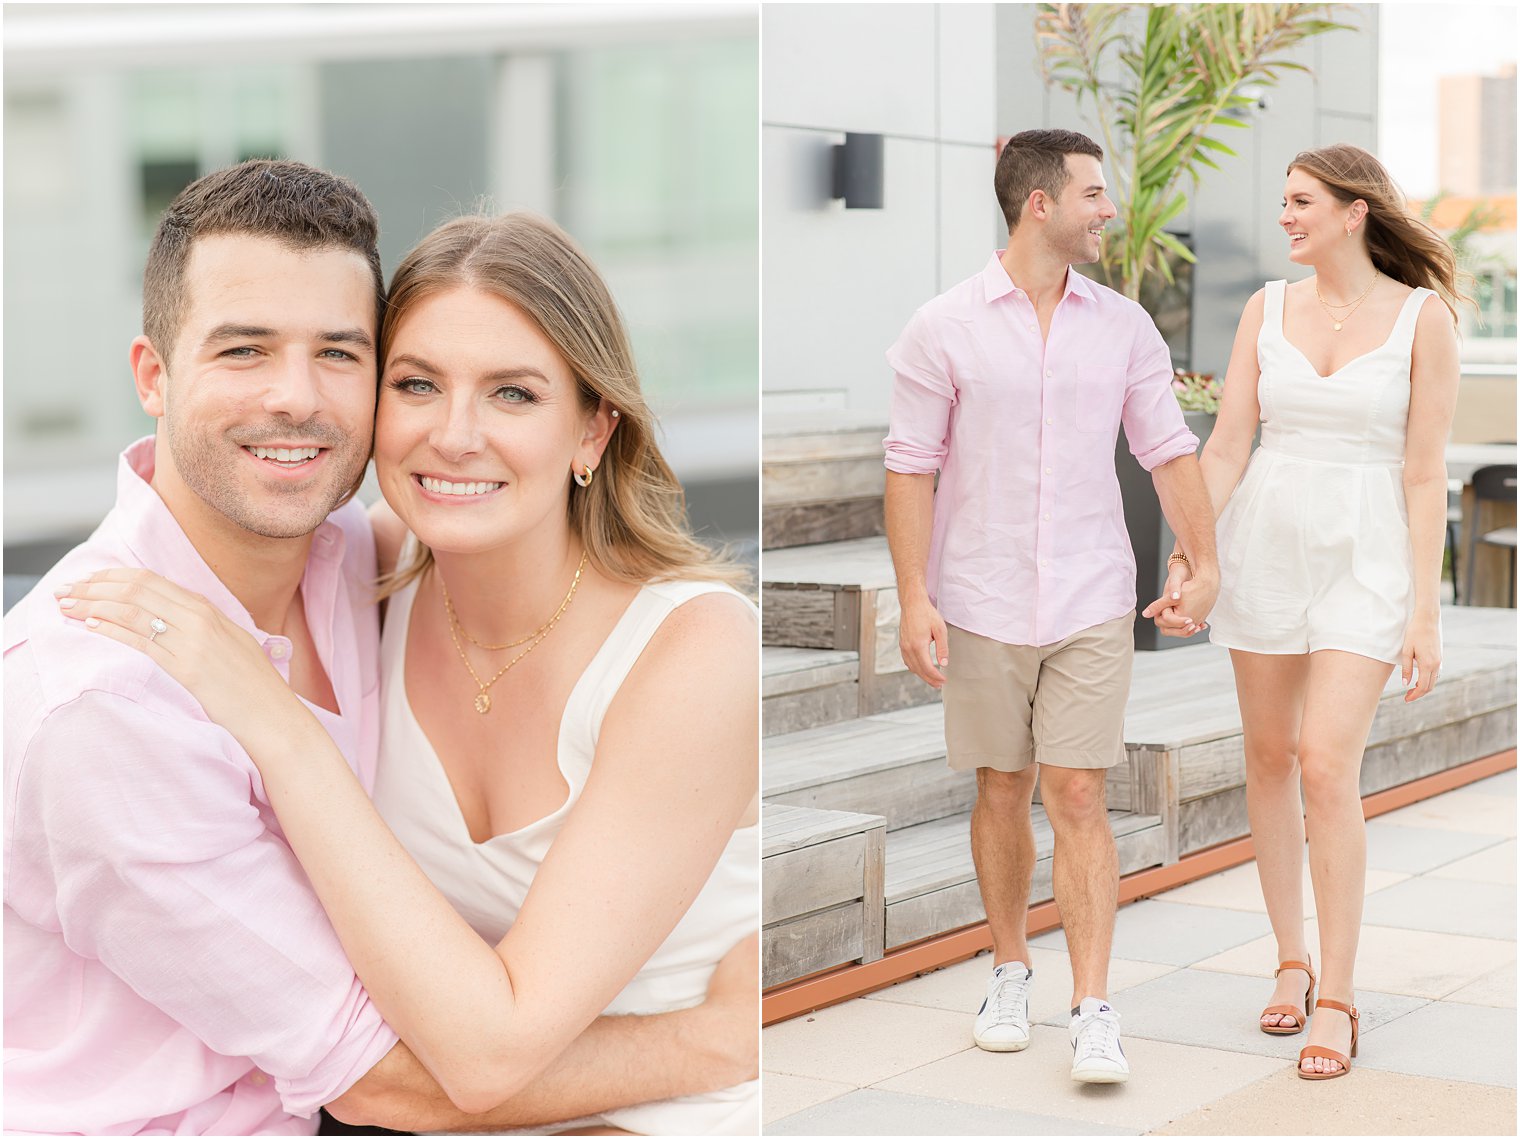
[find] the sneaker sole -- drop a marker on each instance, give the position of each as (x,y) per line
(1099,1077)
(1001,1045)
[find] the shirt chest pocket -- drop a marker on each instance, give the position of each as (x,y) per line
(1090,401)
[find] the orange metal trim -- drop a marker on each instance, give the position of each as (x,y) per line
(823,989)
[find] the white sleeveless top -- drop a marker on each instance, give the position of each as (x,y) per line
(487,882)
(1314,541)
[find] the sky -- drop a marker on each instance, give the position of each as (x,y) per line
(1420,43)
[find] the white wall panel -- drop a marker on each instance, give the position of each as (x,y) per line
(967,73)
(840,284)
(970,223)
(849,67)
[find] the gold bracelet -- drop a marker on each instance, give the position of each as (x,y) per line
(1179,556)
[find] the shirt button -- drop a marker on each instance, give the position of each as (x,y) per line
(1032,327)
(1050,421)
(277,650)
(1049,374)
(1048,471)
(1044,561)
(1046,517)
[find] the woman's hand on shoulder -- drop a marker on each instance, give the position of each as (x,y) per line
(221,664)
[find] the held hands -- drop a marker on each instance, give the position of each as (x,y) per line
(1185,602)
(1421,655)
(924,642)
(220,664)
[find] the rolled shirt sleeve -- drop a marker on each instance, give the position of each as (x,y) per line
(165,868)
(923,394)
(1153,422)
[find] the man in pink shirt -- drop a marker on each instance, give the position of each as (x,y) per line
(168,969)
(1016,577)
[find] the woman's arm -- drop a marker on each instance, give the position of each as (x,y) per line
(1227,451)
(676,766)
(1434,372)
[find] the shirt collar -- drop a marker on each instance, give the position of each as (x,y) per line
(157,541)
(996,282)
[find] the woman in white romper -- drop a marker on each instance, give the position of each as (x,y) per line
(569,691)
(1330,547)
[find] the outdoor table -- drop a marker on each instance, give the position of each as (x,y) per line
(1492,562)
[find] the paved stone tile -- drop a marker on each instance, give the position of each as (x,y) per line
(1411,962)
(1471,812)
(1445,905)
(1172,934)
(1219,1010)
(1447,1041)
(1239,888)
(1496,864)
(861,1042)
(1414,850)
(1502,784)
(1367,1102)
(1166,1080)
(1497,990)
(875,1112)
(961,987)
(783,1095)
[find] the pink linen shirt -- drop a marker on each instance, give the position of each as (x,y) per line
(168,969)
(1029,544)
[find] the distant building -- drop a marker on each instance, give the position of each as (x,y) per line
(1477,133)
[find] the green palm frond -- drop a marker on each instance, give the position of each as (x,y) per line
(1161,80)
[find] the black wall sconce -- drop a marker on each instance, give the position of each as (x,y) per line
(858,171)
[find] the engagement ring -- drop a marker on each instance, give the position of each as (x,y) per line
(158,626)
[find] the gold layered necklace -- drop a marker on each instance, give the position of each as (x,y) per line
(532,640)
(1338,321)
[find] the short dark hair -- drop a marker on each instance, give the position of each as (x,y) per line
(1036,160)
(298,205)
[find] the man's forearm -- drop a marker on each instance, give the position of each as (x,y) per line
(1186,503)
(617,1061)
(909,511)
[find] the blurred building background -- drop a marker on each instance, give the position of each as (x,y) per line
(943,83)
(634,126)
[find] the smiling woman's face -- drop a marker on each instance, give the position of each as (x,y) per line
(480,423)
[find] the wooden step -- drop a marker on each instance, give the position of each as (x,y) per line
(821,893)
(931,885)
(822,478)
(891,765)
(842,595)
(804,688)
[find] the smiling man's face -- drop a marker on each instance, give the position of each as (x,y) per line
(268,401)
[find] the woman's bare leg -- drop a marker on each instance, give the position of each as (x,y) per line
(1342,699)
(1271,693)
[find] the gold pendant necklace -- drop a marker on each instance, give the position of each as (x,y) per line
(532,640)
(1339,321)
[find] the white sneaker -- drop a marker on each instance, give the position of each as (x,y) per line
(1002,1023)
(1097,1057)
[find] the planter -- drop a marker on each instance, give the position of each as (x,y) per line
(1150,536)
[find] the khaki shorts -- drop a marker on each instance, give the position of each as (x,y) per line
(1007,706)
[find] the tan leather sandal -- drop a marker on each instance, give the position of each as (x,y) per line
(1299,1014)
(1309,1051)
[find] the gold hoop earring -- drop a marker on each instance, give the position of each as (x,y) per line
(583,479)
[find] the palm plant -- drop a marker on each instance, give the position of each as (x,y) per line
(1159,93)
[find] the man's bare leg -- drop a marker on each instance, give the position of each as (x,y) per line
(1086,872)
(1002,847)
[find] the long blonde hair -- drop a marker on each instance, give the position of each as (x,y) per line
(632,518)
(1401,245)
